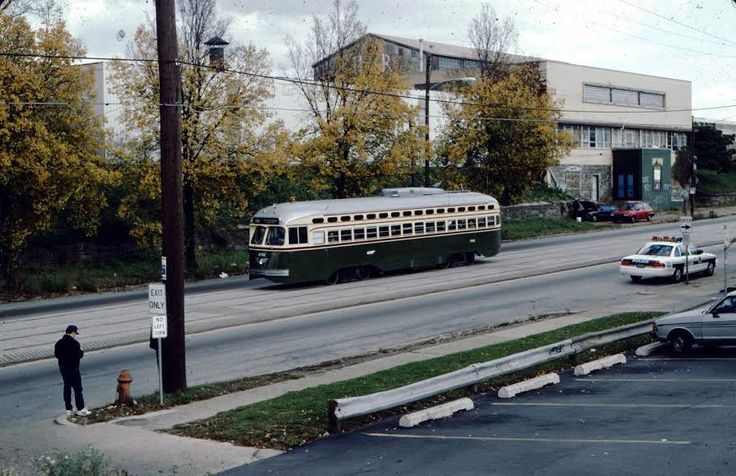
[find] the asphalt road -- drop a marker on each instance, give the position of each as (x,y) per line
(655,415)
(32,391)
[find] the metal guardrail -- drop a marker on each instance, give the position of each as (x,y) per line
(351,407)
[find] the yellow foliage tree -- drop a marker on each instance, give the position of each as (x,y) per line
(51,173)
(501,138)
(225,133)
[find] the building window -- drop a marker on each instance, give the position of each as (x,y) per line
(622,97)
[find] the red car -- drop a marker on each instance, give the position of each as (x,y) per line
(632,211)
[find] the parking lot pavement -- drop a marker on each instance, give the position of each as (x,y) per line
(656,415)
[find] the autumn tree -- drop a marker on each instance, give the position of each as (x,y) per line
(51,174)
(501,138)
(712,148)
(363,133)
(224,123)
(493,40)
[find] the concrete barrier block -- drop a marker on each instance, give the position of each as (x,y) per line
(512,390)
(440,411)
(645,350)
(604,363)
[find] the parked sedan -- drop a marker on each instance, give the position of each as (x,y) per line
(604,212)
(632,211)
(712,325)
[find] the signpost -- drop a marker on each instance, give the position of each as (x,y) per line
(686,226)
(159,324)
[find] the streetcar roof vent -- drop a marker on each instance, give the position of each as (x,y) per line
(410,191)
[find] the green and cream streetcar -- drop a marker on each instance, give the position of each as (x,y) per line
(403,228)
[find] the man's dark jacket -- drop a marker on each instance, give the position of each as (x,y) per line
(69,352)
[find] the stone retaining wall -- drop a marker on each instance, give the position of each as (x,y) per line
(716,200)
(540,210)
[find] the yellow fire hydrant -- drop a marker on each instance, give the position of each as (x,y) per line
(124,380)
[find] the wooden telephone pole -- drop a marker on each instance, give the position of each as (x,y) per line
(173,350)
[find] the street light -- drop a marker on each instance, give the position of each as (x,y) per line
(428,86)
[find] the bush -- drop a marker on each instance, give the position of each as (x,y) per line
(88,462)
(56,283)
(543,193)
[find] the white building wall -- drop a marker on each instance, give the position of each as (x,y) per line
(565,81)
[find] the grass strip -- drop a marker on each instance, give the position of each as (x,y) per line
(523,229)
(299,417)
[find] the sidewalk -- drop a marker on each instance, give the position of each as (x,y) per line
(133,443)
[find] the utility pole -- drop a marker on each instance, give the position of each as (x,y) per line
(427,83)
(174,362)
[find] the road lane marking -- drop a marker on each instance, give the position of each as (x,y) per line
(655,380)
(616,405)
(530,440)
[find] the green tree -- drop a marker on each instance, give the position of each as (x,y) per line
(363,135)
(502,137)
(51,173)
(225,134)
(711,148)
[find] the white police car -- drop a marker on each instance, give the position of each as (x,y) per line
(664,257)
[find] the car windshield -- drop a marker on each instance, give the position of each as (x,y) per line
(655,249)
(629,206)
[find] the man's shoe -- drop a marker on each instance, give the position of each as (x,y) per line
(83,412)
(69,412)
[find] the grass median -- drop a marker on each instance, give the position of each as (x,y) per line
(299,417)
(524,229)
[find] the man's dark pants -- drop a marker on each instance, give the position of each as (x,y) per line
(72,379)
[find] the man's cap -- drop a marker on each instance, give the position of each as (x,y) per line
(71,328)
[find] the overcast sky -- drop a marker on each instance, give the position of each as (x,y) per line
(693,40)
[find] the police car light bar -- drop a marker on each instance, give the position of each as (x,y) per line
(671,239)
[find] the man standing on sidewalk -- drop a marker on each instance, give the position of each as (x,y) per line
(68,351)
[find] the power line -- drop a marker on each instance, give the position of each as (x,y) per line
(703,32)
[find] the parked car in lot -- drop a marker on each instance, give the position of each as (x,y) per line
(592,211)
(632,211)
(712,325)
(664,257)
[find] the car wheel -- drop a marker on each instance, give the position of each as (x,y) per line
(594,218)
(649,218)
(711,267)
(633,219)
(635,279)
(680,341)
(677,275)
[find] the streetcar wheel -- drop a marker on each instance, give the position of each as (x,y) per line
(334,278)
(362,273)
(469,258)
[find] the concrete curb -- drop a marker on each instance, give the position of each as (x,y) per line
(440,411)
(512,390)
(604,363)
(645,350)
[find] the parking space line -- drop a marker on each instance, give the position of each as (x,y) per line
(529,440)
(652,380)
(613,405)
(686,359)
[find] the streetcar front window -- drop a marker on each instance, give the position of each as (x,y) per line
(258,233)
(276,236)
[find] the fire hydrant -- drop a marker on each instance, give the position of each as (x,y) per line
(124,380)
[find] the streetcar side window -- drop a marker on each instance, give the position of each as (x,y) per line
(429,212)
(395,230)
(318,220)
(276,236)
(383,215)
(332,236)
(481,207)
(346,235)
(440,210)
(418,228)
(451,225)
(406,228)
(258,233)
(318,237)
(440,226)
(429,227)
(370,216)
(383,231)
(395,214)
(471,209)
(331,219)
(418,212)
(461,224)
(298,235)
(450,210)
(481,222)
(461,209)
(371,233)
(359,233)
(406,213)
(471,222)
